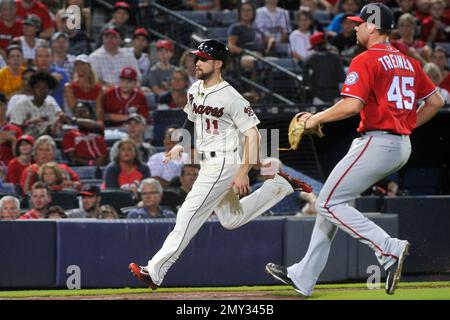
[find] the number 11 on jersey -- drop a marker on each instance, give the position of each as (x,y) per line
(215,124)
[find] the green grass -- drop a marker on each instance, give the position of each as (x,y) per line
(358,291)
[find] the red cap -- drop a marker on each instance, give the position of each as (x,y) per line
(128,73)
(165,44)
(111,31)
(25,137)
(316,38)
(121,5)
(140,32)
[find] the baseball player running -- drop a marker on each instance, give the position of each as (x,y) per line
(384,86)
(218,112)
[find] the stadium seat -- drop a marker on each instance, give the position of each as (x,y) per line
(323,17)
(225,18)
(203,18)
(163,118)
(421,180)
(282,50)
(8,187)
(219,33)
(94,182)
(85,172)
(117,198)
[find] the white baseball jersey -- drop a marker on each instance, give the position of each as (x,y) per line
(219,113)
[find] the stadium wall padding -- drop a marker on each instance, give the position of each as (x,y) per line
(423,221)
(37,254)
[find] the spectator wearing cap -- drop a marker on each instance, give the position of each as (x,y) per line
(44,150)
(43,62)
(345,8)
(109,59)
(84,144)
(323,71)
(61,56)
(136,126)
(157,79)
(10,25)
(90,203)
(23,156)
(84,87)
(151,193)
(435,27)
(120,17)
(9,132)
(125,99)
(138,47)
(86,16)
(27,7)
(29,41)
(126,170)
(40,200)
(345,41)
(273,21)
(176,97)
(37,116)
(9,208)
(440,58)
(79,41)
(11,75)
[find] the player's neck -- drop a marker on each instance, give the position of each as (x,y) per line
(379,39)
(212,81)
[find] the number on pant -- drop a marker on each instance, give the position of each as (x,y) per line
(215,124)
(399,90)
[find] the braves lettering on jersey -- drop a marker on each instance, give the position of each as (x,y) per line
(389,83)
(219,113)
(114,102)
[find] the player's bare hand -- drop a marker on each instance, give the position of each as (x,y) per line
(173,154)
(241,184)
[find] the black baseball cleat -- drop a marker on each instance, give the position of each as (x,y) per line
(280,273)
(142,274)
(394,272)
(296,184)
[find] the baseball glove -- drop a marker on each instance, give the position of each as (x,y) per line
(297,130)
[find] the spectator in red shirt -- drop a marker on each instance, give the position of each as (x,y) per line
(10,25)
(40,200)
(27,7)
(84,88)
(407,28)
(126,170)
(23,151)
(44,151)
(8,134)
(53,176)
(439,57)
(126,98)
(434,28)
(85,143)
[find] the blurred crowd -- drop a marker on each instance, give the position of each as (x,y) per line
(66,92)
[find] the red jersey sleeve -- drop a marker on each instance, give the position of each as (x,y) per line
(359,81)
(69,141)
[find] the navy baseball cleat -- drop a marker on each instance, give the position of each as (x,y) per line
(280,273)
(296,184)
(142,274)
(395,271)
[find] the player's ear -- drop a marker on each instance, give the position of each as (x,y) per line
(371,28)
(218,64)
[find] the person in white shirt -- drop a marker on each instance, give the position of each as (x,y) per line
(164,173)
(273,21)
(299,39)
(109,59)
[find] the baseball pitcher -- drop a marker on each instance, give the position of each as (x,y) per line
(384,86)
